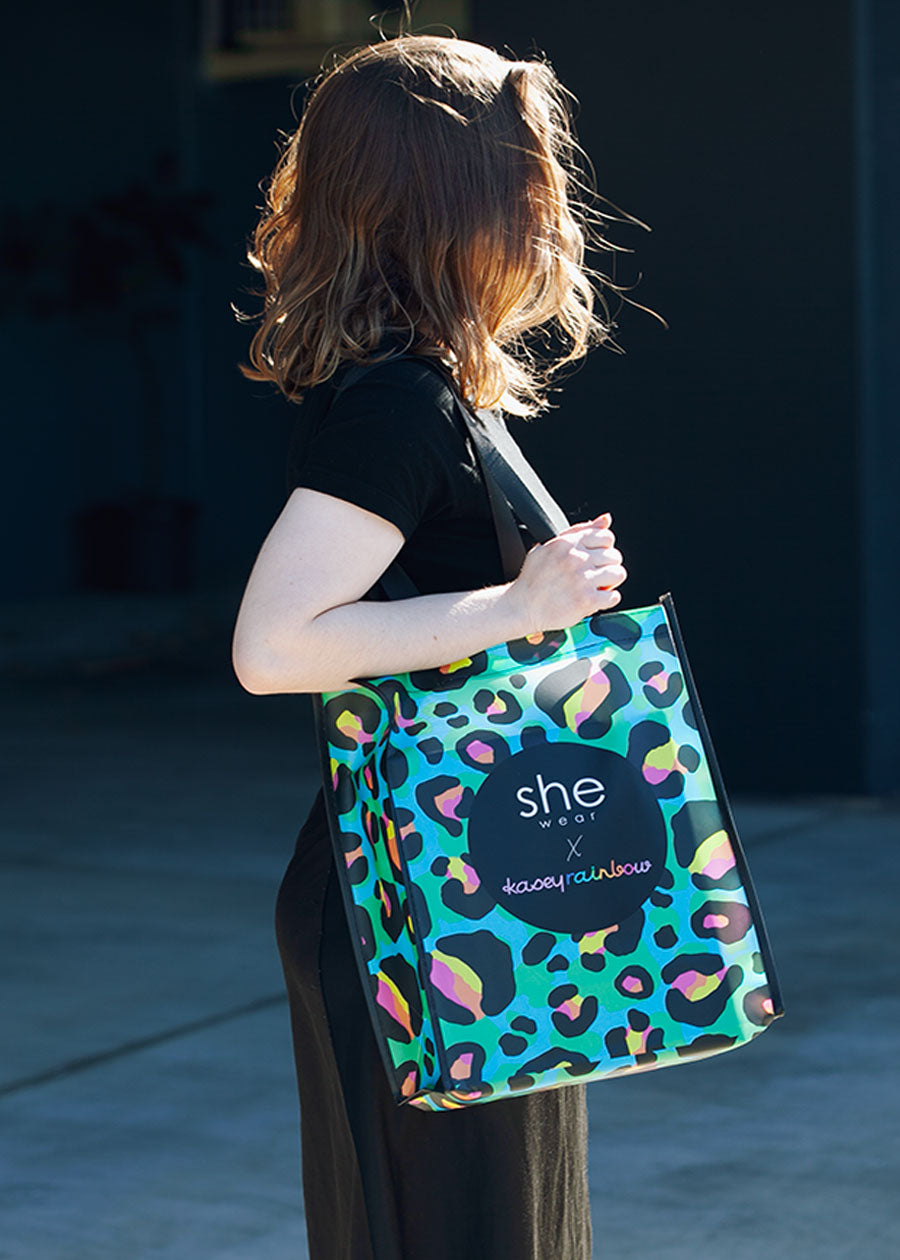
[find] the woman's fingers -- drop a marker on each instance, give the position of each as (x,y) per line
(597,557)
(589,535)
(573,574)
(598,525)
(600,556)
(607,577)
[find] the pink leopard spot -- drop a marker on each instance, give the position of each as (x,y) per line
(715,920)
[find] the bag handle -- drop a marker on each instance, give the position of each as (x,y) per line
(513,487)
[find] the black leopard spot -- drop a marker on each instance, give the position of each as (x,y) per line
(499,707)
(450,677)
(459,721)
(462,891)
(643,1047)
(643,738)
(364,933)
(431,749)
(523,1024)
(558,962)
(382,833)
(482,750)
(583,696)
(593,962)
(537,647)
(409,838)
(703,847)
(625,939)
(619,628)
(344,787)
(351,721)
(533,736)
(727,921)
(759,1007)
(708,1043)
(663,639)
(666,937)
(401,706)
(572,1061)
(407,1079)
(561,994)
(444,708)
(465,1064)
(652,752)
(575,1016)
(471,976)
(689,757)
(358,870)
(397,999)
(654,1044)
(700,986)
(512,1045)
(444,800)
(616,1045)
(634,982)
(394,767)
(537,949)
(662,689)
(392,918)
(420,914)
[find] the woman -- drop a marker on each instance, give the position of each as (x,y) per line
(422,206)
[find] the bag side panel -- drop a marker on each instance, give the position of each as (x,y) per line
(354,730)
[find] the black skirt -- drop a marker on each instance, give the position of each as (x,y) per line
(387,1182)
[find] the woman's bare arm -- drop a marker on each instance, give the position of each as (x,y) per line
(303,626)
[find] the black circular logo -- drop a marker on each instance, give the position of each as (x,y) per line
(567,837)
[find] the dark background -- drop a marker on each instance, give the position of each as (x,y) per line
(749,452)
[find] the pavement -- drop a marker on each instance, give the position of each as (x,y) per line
(147,1101)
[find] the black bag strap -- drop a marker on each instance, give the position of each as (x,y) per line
(511,472)
(513,487)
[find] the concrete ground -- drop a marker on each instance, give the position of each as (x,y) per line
(147,1100)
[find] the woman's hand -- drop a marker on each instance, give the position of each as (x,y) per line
(570,577)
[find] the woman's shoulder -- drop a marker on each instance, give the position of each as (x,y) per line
(411,382)
(394,429)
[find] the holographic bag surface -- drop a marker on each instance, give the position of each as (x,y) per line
(540,866)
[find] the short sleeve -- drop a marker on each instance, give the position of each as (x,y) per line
(386,444)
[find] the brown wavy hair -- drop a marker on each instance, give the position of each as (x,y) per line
(431,190)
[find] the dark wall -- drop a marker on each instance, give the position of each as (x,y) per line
(877,45)
(88,92)
(118,86)
(726,446)
(245,425)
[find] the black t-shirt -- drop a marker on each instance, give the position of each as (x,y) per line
(394,444)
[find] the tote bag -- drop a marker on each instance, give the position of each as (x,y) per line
(539,865)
